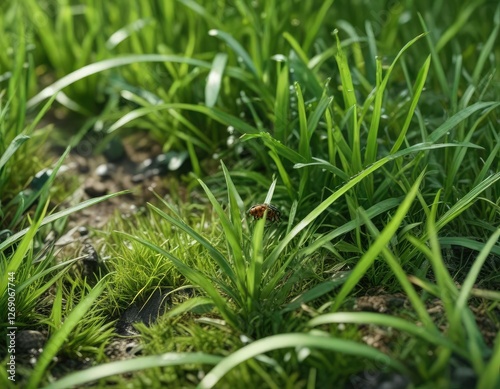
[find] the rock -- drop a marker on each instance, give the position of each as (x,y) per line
(114,150)
(83,231)
(95,188)
(29,341)
(105,170)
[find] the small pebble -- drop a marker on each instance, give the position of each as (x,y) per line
(83,231)
(95,188)
(105,170)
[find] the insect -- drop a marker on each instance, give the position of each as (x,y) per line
(273,213)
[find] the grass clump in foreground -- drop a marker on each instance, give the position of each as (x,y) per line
(381,165)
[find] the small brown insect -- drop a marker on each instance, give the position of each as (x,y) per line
(257,211)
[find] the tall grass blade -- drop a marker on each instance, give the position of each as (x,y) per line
(17,142)
(376,248)
(214,80)
(237,48)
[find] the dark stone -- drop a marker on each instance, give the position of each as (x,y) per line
(29,341)
(83,231)
(114,150)
(378,380)
(95,188)
(146,312)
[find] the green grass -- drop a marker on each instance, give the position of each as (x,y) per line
(372,128)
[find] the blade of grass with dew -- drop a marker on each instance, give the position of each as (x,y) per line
(238,50)
(327,166)
(214,79)
(296,47)
(417,91)
(214,113)
(101,66)
(304,147)
(139,363)
(282,102)
(57,339)
(17,142)
(281,341)
(371,149)
(315,117)
(375,249)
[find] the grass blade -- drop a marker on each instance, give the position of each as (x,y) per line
(293,340)
(214,80)
(385,236)
(13,146)
(433,337)
(58,215)
(237,48)
(136,364)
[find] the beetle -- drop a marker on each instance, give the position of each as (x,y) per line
(258,210)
